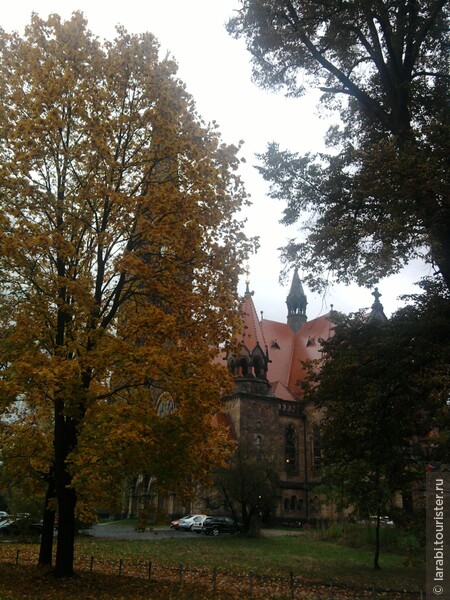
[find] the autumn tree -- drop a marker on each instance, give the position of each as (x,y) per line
(380,197)
(381,389)
(120,251)
(246,487)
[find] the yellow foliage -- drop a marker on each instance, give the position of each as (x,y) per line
(120,256)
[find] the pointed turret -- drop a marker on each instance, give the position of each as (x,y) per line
(249,360)
(296,303)
(377,315)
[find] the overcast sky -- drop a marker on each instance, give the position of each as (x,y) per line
(216,70)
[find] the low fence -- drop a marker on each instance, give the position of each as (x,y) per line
(218,582)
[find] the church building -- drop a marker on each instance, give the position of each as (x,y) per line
(266,409)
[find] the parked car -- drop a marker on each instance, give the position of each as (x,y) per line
(188,523)
(384,520)
(197,525)
(175,524)
(19,526)
(3,515)
(219,524)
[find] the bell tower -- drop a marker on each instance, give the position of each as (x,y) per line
(296,304)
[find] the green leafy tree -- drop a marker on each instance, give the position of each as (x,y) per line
(381,196)
(247,488)
(120,252)
(381,389)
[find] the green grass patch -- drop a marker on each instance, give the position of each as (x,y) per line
(392,539)
(306,556)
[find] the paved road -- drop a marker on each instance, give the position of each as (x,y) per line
(121,532)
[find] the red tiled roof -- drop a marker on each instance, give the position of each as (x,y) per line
(287,350)
(252,332)
(281,342)
(281,391)
(307,347)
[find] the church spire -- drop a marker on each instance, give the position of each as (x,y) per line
(377,314)
(296,304)
(247,281)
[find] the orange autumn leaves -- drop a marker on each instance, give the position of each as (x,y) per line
(120,251)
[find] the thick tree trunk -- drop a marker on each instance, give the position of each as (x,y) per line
(65,440)
(66,533)
(48,526)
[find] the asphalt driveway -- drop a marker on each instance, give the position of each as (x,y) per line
(125,532)
(111,530)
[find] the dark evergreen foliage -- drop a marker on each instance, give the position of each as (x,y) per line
(381,196)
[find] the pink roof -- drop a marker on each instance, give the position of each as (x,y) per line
(287,350)
(307,347)
(252,332)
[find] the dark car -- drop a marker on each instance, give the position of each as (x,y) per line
(18,526)
(216,525)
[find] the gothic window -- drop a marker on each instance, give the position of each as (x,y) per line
(290,450)
(317,450)
(314,505)
(286,504)
(258,444)
(165,405)
(258,367)
(243,364)
(293,503)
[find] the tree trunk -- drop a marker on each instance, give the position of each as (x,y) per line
(408,503)
(441,251)
(246,519)
(376,563)
(48,526)
(66,533)
(65,440)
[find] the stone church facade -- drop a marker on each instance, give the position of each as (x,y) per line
(267,411)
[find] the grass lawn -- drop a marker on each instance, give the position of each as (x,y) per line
(308,557)
(305,556)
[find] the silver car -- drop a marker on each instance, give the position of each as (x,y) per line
(187,524)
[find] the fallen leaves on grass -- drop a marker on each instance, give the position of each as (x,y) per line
(21,579)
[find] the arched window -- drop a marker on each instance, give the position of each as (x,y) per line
(314,505)
(258,368)
(243,364)
(165,405)
(258,444)
(316,449)
(290,449)
(293,503)
(286,504)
